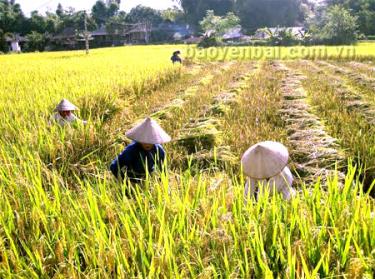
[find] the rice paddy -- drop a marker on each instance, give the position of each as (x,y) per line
(63,215)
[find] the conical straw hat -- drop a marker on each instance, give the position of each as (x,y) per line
(265,160)
(65,105)
(148,132)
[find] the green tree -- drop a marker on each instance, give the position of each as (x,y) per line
(363,9)
(256,14)
(335,26)
(116,24)
(3,43)
(112,9)
(195,10)
(173,14)
(52,22)
(219,25)
(37,22)
(144,14)
(60,10)
(36,41)
(216,26)
(12,19)
(99,12)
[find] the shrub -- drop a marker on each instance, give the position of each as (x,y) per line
(209,42)
(282,37)
(36,41)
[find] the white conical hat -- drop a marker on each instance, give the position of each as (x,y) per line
(265,160)
(148,132)
(65,105)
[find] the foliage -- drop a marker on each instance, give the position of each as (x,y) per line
(116,24)
(101,12)
(209,41)
(255,14)
(3,43)
(142,14)
(364,10)
(335,26)
(173,15)
(282,37)
(11,17)
(36,41)
(216,26)
(195,10)
(219,25)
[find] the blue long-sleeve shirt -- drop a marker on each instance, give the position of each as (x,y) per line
(133,159)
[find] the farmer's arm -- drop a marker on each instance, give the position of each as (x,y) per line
(121,161)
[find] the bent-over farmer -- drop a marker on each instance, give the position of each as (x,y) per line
(64,113)
(176,57)
(144,154)
(265,165)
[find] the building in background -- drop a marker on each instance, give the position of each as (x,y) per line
(15,42)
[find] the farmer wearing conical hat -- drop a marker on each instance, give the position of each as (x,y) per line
(144,154)
(64,113)
(265,164)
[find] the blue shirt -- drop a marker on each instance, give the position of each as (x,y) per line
(176,58)
(133,159)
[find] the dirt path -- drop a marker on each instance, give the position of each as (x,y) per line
(314,151)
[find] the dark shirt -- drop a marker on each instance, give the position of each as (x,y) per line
(133,159)
(176,58)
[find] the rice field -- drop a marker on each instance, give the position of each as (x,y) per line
(63,215)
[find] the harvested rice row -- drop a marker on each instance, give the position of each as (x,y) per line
(355,133)
(352,100)
(314,151)
(132,112)
(175,106)
(253,118)
(365,68)
(202,137)
(358,78)
(196,103)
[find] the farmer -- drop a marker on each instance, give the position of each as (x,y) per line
(176,57)
(64,113)
(144,154)
(265,164)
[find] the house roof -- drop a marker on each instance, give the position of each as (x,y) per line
(15,38)
(193,40)
(138,28)
(68,32)
(102,31)
(234,33)
(294,29)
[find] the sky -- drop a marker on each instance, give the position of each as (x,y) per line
(45,5)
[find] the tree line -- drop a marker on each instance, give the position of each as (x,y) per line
(38,28)
(252,14)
